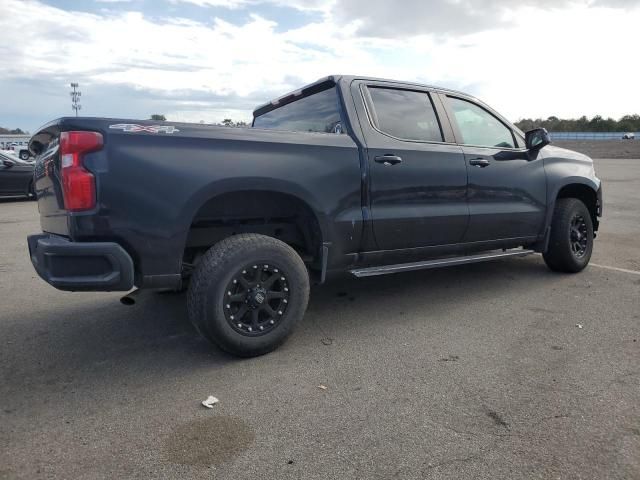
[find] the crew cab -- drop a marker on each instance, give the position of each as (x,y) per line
(353,174)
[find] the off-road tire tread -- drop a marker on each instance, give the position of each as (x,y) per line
(214,264)
(558,255)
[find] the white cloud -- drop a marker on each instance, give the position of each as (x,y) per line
(568,62)
(231,4)
(382,18)
(305,5)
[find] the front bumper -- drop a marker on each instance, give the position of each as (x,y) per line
(599,207)
(80,266)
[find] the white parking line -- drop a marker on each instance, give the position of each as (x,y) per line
(616,269)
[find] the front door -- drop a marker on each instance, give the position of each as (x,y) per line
(418,182)
(507,188)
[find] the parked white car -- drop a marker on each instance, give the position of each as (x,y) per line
(21,149)
(20,152)
(629,136)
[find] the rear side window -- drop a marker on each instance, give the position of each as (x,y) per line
(405,114)
(479,127)
(319,112)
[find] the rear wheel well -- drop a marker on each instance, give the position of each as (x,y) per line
(586,195)
(274,214)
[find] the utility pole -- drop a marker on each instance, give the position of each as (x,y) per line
(75,97)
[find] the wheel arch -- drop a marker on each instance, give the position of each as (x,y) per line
(243,203)
(583,189)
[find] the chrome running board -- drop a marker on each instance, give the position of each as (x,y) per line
(442,262)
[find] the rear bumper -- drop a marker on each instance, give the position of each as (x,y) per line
(80,266)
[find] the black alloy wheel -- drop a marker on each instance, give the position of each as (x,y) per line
(247,293)
(578,235)
(256,299)
(571,237)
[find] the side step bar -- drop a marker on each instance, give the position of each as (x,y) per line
(442,262)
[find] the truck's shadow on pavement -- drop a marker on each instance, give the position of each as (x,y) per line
(89,339)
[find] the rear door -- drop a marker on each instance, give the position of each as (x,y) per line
(418,176)
(507,188)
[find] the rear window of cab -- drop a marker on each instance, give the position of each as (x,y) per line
(319,112)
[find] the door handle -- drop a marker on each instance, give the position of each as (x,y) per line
(479,162)
(388,160)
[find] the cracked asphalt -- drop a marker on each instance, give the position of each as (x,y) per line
(477,371)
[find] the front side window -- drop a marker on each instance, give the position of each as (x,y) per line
(319,112)
(479,127)
(405,114)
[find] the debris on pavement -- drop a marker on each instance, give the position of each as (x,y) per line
(322,387)
(450,358)
(210,402)
(579,325)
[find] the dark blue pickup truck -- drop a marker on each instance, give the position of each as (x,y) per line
(349,173)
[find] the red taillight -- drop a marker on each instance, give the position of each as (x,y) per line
(78,184)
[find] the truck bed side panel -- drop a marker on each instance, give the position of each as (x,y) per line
(151,186)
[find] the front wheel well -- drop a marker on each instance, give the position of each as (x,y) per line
(586,195)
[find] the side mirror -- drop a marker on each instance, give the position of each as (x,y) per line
(8,163)
(537,138)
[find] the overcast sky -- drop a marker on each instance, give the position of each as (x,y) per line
(206,60)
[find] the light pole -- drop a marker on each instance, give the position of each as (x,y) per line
(75,97)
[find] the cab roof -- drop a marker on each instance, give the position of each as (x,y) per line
(330,80)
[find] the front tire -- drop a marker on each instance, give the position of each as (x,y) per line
(247,293)
(24,155)
(571,237)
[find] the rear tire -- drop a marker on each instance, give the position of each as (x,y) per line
(571,237)
(24,155)
(247,293)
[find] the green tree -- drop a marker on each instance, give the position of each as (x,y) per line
(628,123)
(228,122)
(158,117)
(14,131)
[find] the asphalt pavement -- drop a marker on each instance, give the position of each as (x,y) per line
(478,371)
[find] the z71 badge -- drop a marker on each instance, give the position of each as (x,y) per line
(134,128)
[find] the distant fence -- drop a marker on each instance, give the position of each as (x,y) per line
(589,135)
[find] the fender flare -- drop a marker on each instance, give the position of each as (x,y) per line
(552,196)
(231,185)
